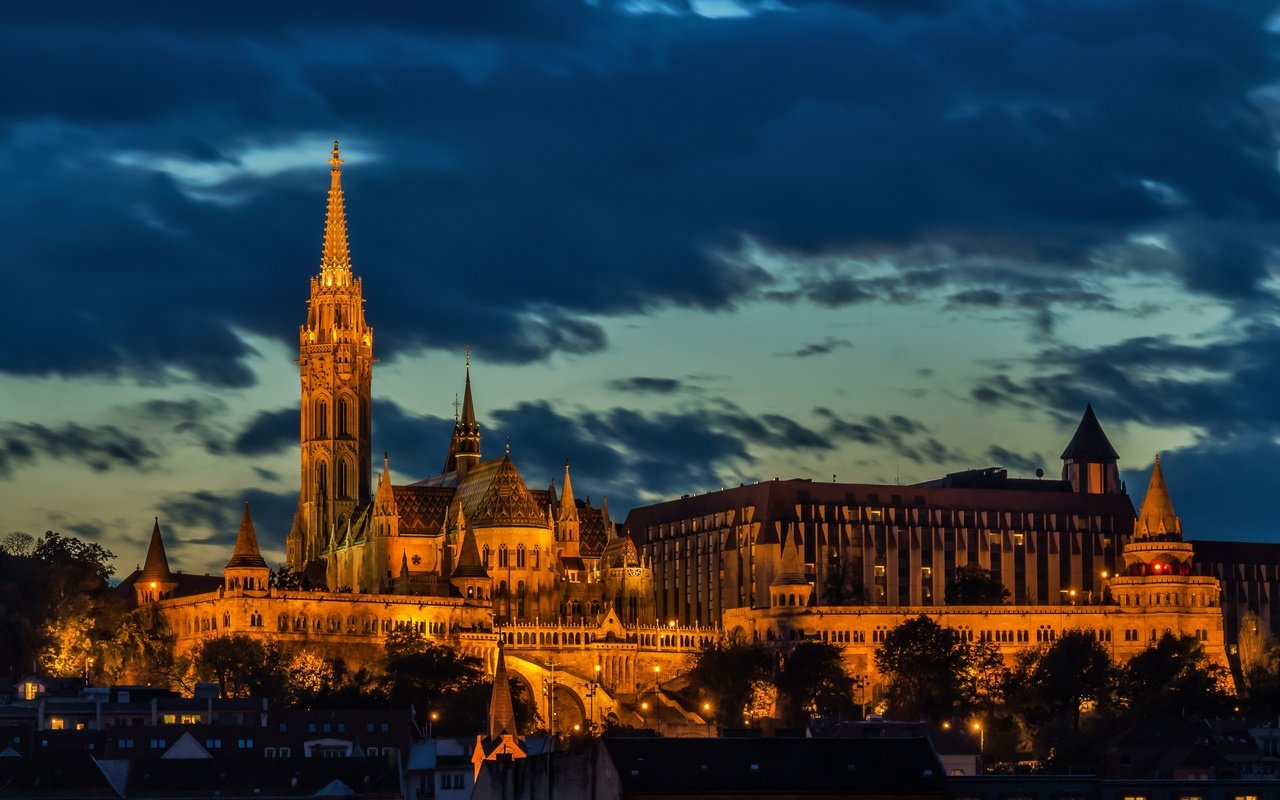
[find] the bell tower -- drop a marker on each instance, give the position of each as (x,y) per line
(335,364)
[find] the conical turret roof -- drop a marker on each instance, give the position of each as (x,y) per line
(1090,443)
(1157,518)
(246,553)
(156,567)
(469,563)
(502,712)
(465,441)
(792,572)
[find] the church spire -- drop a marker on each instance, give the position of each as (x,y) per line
(335,263)
(1157,519)
(568,506)
(464,447)
(502,712)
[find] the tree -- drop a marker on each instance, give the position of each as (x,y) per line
(813,681)
(727,671)
(17,543)
(1174,677)
(282,577)
(1058,679)
(431,678)
(927,667)
(241,666)
(974,586)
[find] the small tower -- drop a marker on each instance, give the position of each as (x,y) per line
(155,582)
(246,572)
(1158,579)
(568,525)
(1089,463)
(335,365)
(502,740)
(791,588)
(384,530)
(470,576)
(464,446)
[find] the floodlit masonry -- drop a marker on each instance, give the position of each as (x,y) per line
(598,616)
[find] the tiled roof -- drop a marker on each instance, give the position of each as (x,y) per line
(423,509)
(493,495)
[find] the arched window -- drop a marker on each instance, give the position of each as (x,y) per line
(502,557)
(322,478)
(520,555)
(344,413)
(520,595)
(322,419)
(340,488)
(487,562)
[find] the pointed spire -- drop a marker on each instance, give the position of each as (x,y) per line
(335,263)
(246,553)
(404,565)
(156,567)
(469,563)
(568,508)
(792,571)
(1090,443)
(464,446)
(502,713)
(1157,519)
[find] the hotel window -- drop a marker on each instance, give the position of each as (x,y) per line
(875,514)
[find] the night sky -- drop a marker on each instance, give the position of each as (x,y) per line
(690,245)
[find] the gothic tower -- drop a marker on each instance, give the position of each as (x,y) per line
(464,446)
(335,364)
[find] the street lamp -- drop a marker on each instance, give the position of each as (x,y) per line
(706,714)
(982,737)
(432,718)
(591,704)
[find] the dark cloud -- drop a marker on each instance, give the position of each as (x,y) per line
(1017,462)
(827,345)
(1223,386)
(649,385)
(100,448)
(1216,486)
(193,418)
(217,516)
(633,152)
(416,443)
(269,432)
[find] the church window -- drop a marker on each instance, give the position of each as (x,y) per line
(520,597)
(488,561)
(520,556)
(536,553)
(340,488)
(344,412)
(322,419)
(322,478)
(502,556)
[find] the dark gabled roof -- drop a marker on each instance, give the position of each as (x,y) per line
(1090,443)
(745,767)
(188,585)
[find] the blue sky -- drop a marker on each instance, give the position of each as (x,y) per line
(690,245)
